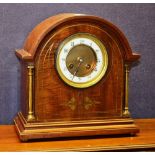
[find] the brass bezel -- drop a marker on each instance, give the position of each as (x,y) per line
(98,76)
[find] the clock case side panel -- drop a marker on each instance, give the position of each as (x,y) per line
(33,129)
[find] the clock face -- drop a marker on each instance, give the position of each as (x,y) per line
(81,60)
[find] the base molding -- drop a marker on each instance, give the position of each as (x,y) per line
(37,130)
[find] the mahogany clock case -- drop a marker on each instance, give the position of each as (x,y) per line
(51,108)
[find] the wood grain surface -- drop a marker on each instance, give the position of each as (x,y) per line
(144,141)
(106,96)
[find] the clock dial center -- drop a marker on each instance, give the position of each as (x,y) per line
(81,60)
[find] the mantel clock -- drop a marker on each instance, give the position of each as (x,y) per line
(74,79)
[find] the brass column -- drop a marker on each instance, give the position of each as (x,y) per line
(126,112)
(30,116)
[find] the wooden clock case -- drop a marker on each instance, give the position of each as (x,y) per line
(49,107)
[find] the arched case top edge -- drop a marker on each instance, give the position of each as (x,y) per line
(42,29)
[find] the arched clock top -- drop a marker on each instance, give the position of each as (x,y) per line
(39,33)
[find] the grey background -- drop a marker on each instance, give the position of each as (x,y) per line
(137,21)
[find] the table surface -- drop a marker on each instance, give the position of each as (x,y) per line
(145,140)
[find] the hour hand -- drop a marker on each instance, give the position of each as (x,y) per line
(80,62)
